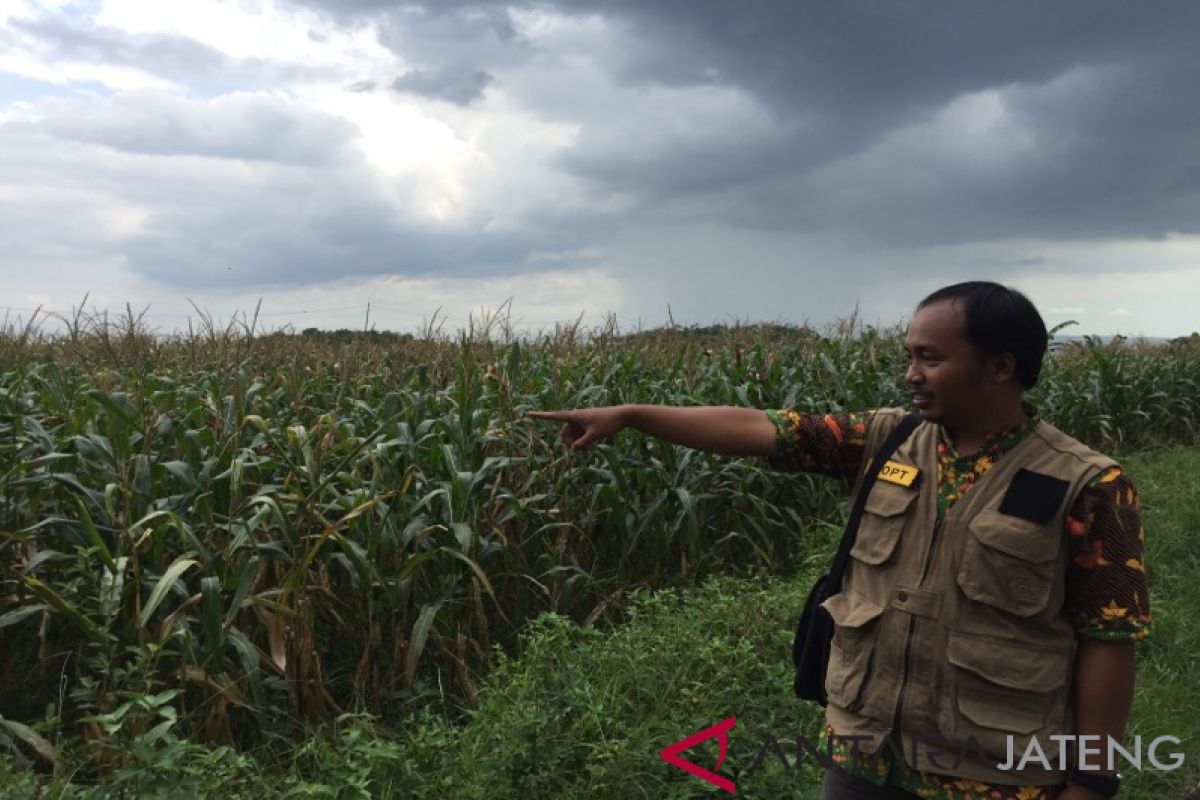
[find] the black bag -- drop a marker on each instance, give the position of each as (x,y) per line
(814,632)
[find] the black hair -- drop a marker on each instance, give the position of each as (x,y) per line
(1000,320)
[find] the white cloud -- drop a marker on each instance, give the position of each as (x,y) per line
(255,29)
(595,170)
(67,72)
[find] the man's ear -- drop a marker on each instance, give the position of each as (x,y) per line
(1004,367)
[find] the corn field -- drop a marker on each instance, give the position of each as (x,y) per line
(227,535)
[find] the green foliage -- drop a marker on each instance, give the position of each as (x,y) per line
(584,714)
(227,537)
(171,768)
(1119,395)
(357,763)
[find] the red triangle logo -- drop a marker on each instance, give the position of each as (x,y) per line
(721,729)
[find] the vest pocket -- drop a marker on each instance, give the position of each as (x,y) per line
(1009,563)
(997,689)
(883,518)
(854,618)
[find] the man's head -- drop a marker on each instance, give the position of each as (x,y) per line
(973,348)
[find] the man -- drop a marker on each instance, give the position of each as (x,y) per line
(996,585)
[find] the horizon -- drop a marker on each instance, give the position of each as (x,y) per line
(201,322)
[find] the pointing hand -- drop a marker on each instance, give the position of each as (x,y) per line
(583,427)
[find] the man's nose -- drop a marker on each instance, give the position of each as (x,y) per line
(913,375)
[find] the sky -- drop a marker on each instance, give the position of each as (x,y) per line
(359,163)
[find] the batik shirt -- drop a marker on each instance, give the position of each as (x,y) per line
(1106,592)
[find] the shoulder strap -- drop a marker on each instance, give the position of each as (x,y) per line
(886,450)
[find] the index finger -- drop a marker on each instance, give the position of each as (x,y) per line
(562,416)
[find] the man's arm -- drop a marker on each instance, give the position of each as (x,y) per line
(725,430)
(1108,601)
(1103,696)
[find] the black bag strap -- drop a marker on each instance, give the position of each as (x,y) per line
(886,450)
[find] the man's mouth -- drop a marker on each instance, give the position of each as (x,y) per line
(921,399)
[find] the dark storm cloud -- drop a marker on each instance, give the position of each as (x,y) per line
(446,42)
(1103,152)
(1105,155)
(1115,152)
(455,85)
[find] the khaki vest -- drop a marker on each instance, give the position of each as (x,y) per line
(956,634)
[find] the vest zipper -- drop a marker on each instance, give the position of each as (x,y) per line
(908,637)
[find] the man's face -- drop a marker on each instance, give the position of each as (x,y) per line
(947,375)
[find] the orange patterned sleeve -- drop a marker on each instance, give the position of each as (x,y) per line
(1106,575)
(830,444)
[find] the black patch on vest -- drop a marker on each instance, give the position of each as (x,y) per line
(1034,496)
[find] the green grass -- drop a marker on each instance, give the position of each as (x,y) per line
(1168,684)
(584,713)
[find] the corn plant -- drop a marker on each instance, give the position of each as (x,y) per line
(225,535)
